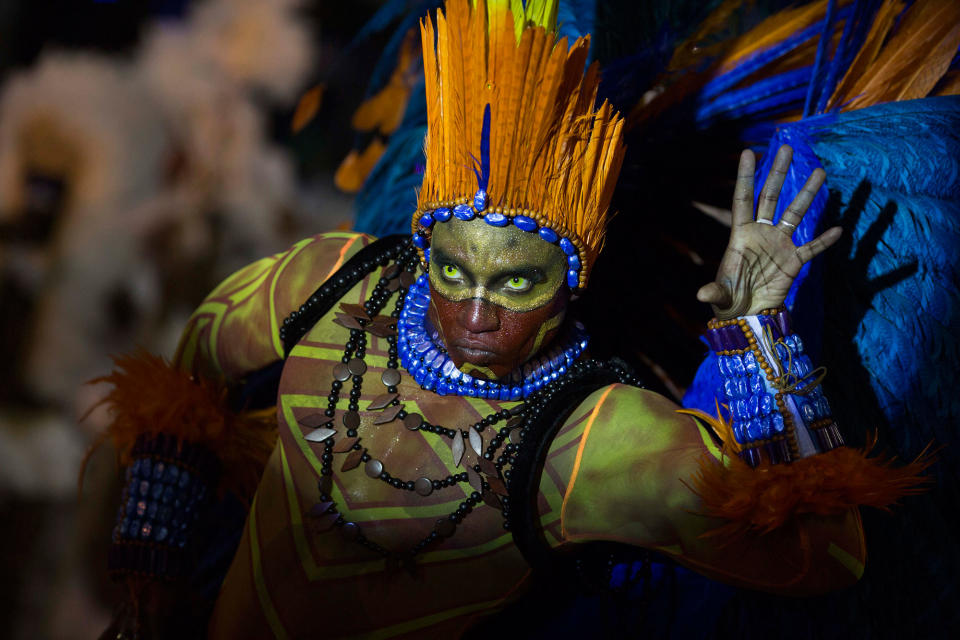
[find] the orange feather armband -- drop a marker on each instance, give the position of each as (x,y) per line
(151,398)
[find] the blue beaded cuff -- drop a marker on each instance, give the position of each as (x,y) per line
(777,408)
(166,489)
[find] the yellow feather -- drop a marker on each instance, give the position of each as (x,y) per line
(916,56)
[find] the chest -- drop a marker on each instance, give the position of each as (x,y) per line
(383,486)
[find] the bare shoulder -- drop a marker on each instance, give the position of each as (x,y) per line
(235,330)
(637,454)
(622,415)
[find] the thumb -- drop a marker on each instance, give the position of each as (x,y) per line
(714,294)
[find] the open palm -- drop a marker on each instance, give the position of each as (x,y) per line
(761,259)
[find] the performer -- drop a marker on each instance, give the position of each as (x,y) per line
(441,427)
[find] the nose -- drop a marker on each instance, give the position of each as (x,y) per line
(479,316)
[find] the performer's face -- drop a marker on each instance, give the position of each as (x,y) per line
(497,294)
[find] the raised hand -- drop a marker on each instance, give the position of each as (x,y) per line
(761,259)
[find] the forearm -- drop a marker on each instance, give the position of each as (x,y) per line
(633,485)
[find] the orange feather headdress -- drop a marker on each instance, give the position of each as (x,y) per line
(512,131)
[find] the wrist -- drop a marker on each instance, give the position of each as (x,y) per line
(167,487)
(777,409)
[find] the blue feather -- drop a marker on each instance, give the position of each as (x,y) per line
(775,93)
(855,31)
(825,37)
(576,18)
(761,59)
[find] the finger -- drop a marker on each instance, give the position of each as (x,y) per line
(714,294)
(794,213)
(743,191)
(818,245)
(771,188)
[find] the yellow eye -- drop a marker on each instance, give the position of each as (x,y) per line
(519,284)
(451,272)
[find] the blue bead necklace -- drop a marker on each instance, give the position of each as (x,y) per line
(426,359)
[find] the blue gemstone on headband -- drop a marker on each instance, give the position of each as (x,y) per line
(426,221)
(573,278)
(442,214)
(567,247)
(524,223)
(573,262)
(419,240)
(480,200)
(496,219)
(548,234)
(426,254)
(463,212)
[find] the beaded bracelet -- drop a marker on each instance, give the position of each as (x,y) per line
(166,489)
(777,408)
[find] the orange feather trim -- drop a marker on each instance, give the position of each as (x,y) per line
(150,396)
(762,499)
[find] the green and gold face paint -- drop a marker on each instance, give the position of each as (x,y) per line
(496,294)
(503,265)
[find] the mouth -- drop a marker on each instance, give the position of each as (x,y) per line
(475,349)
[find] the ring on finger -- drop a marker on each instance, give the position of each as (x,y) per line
(788,224)
(764,221)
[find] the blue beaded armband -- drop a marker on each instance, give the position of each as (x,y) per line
(777,408)
(166,489)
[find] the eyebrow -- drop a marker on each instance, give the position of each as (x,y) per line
(524,271)
(442,256)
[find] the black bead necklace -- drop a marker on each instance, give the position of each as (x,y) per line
(484,474)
